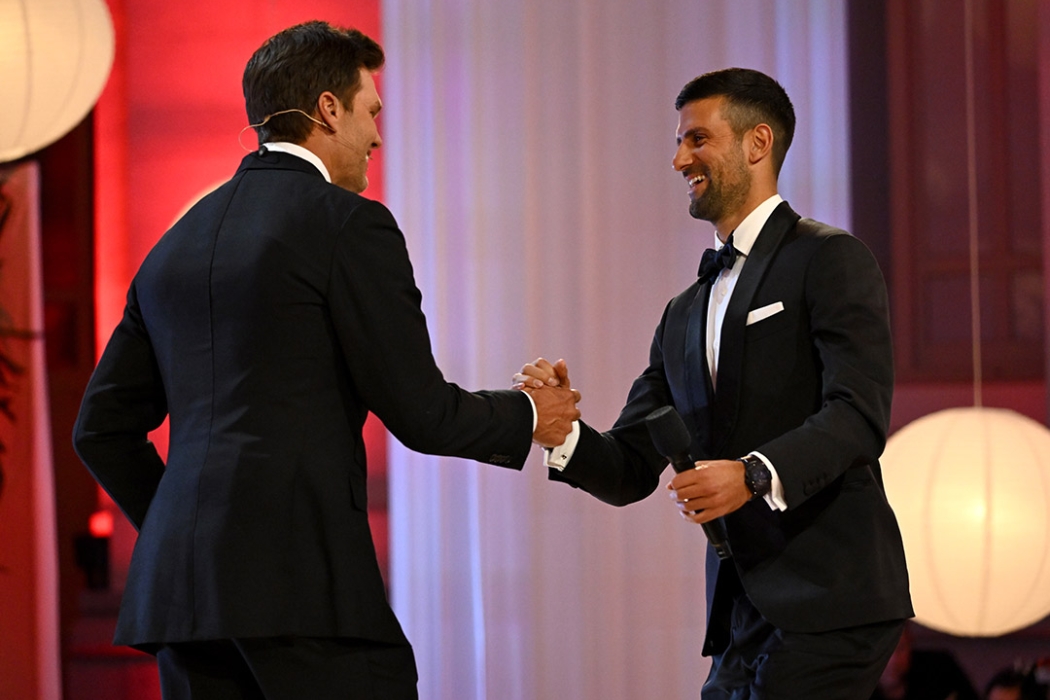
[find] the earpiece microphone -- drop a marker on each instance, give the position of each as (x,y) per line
(315,120)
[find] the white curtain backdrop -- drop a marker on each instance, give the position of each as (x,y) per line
(528,148)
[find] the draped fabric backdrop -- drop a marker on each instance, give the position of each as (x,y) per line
(29,643)
(528,149)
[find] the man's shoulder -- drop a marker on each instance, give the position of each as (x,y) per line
(811,237)
(680,304)
(279,170)
(811,228)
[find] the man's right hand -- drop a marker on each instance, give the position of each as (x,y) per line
(555,412)
(549,384)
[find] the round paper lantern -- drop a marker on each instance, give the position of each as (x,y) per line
(971,490)
(55,56)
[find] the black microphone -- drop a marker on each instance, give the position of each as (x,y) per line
(671,439)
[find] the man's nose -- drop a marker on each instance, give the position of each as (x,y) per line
(681,159)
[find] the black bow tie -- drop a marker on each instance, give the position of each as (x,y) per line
(714,261)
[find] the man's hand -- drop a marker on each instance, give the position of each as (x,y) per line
(545,382)
(710,490)
(555,412)
(540,373)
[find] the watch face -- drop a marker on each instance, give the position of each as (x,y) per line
(759,480)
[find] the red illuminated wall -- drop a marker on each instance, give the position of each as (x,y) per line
(166,130)
(167,123)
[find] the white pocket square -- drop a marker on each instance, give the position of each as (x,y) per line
(764,312)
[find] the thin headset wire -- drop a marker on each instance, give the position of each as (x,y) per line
(268,117)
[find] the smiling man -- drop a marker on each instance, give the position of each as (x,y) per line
(779,359)
(266,324)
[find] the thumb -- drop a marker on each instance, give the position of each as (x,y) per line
(562,371)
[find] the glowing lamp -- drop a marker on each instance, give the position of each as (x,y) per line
(971,490)
(55,56)
(101,524)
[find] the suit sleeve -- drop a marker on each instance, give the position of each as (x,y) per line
(849,322)
(378,319)
(123,402)
(621,466)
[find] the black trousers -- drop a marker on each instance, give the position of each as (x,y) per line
(286,668)
(766,663)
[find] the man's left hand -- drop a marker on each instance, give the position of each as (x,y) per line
(711,490)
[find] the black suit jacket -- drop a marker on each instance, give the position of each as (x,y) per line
(266,323)
(808,387)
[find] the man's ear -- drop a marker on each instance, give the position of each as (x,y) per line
(329,108)
(760,143)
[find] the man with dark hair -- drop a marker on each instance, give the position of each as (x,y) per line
(266,324)
(779,360)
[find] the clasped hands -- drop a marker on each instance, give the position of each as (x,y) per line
(554,397)
(710,490)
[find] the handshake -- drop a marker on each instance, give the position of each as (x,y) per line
(554,398)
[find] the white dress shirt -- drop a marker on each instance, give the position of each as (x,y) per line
(297,150)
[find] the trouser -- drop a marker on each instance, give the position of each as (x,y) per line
(286,668)
(763,662)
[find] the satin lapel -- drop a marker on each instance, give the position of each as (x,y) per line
(697,373)
(731,352)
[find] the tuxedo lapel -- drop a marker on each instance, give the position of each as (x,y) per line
(698,374)
(731,352)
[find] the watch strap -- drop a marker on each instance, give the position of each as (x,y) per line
(757,478)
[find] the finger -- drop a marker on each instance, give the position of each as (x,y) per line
(561,370)
(550,375)
(527,380)
(684,480)
(689,513)
(577,396)
(688,493)
(687,502)
(542,371)
(531,370)
(704,516)
(697,517)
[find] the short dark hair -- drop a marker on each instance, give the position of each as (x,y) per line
(752,98)
(291,70)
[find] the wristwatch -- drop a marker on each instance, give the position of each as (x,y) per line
(756,475)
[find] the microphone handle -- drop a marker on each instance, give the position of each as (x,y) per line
(715,530)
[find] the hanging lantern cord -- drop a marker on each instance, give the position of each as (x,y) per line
(971,168)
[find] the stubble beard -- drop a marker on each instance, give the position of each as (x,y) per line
(726,192)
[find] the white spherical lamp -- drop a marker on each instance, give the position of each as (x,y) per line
(55,56)
(971,490)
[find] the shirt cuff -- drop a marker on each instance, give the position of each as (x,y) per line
(775,497)
(558,457)
(535,413)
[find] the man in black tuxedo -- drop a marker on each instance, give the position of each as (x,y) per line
(779,360)
(266,324)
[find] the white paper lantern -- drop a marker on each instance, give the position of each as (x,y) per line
(971,490)
(55,56)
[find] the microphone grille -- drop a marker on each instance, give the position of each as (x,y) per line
(668,431)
